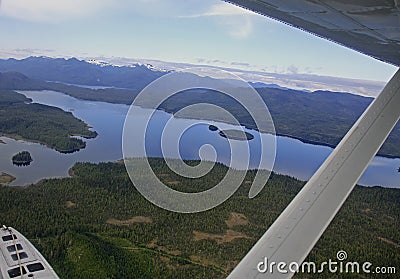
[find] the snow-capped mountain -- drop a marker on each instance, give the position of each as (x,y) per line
(81,72)
(121,63)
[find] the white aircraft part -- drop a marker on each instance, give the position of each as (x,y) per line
(19,259)
(371,27)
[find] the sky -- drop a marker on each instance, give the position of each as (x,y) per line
(209,32)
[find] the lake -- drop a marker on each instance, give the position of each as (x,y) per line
(294,157)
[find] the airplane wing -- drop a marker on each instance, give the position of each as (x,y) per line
(372,28)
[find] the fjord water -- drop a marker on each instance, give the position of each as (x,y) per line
(293,158)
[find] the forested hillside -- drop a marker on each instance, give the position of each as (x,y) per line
(48,125)
(96,225)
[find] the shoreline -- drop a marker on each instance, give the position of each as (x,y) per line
(72,175)
(306,141)
(6,178)
(20,138)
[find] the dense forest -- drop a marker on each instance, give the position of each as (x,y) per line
(320,117)
(96,225)
(23,158)
(48,125)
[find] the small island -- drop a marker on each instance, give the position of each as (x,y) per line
(236,135)
(213,128)
(2,142)
(6,178)
(23,158)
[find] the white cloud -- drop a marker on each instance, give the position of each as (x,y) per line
(237,21)
(51,10)
(222,9)
(239,29)
(292,69)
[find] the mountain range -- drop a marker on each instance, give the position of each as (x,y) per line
(80,72)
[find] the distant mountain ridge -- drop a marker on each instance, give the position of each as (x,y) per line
(18,81)
(92,72)
(257,85)
(81,72)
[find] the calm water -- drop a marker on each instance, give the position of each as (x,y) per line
(293,157)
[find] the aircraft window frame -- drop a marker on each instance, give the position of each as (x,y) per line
(35,267)
(12,249)
(22,255)
(7,238)
(15,272)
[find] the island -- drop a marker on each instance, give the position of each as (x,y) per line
(6,178)
(23,158)
(44,124)
(213,128)
(2,142)
(236,135)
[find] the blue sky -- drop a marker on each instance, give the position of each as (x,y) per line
(191,31)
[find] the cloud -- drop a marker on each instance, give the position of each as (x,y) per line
(51,10)
(25,52)
(222,9)
(205,61)
(240,64)
(20,53)
(239,29)
(237,21)
(292,69)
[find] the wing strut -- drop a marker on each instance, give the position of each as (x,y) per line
(292,236)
